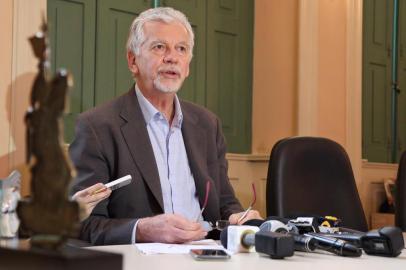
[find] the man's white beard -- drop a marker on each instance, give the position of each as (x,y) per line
(165,88)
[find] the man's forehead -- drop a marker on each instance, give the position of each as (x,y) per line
(157,29)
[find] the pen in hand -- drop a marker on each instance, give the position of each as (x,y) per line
(244,214)
(254,199)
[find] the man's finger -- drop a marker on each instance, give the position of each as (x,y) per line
(98,188)
(182,236)
(252,214)
(101,195)
(87,191)
(234,218)
(184,224)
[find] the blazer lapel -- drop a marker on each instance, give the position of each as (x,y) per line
(137,139)
(194,137)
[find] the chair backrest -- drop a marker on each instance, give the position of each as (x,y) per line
(400,212)
(313,176)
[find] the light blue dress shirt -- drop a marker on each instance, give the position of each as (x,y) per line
(177,182)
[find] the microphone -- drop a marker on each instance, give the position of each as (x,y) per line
(352,238)
(259,222)
(254,222)
(301,242)
(336,246)
(248,238)
(386,241)
(238,238)
(304,243)
(309,242)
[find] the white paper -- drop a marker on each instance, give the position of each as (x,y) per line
(160,248)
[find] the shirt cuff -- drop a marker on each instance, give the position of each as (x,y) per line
(134,234)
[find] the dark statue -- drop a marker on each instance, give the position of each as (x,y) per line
(48,217)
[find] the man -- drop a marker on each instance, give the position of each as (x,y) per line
(171,148)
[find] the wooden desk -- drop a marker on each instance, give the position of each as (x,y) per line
(133,259)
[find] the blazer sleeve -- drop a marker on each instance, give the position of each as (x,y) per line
(229,204)
(92,167)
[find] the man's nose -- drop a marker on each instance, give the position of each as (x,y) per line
(171,57)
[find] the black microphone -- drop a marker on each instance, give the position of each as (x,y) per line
(254,222)
(387,241)
(302,242)
(258,222)
(352,238)
(336,246)
(309,242)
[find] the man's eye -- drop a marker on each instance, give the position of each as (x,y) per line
(159,47)
(182,49)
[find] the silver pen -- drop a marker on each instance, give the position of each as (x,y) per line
(254,199)
(244,215)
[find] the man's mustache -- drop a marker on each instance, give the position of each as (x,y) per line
(173,69)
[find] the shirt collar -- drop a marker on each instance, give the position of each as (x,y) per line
(178,118)
(149,111)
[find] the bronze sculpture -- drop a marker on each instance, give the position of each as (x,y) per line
(49,217)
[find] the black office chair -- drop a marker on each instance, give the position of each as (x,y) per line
(313,176)
(400,212)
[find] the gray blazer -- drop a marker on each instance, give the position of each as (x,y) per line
(112,140)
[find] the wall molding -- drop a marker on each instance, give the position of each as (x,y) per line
(14,71)
(248,157)
(354,86)
(380,166)
(308,65)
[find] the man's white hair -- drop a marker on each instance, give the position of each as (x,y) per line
(137,37)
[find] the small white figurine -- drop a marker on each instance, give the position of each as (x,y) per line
(9,197)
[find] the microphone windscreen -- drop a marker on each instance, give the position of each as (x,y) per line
(254,222)
(224,237)
(281,219)
(274,226)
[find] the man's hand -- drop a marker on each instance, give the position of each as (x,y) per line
(88,200)
(252,214)
(168,228)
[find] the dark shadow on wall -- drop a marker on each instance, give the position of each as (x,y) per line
(16,104)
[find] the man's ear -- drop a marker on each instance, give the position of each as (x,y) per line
(187,72)
(132,65)
(188,68)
